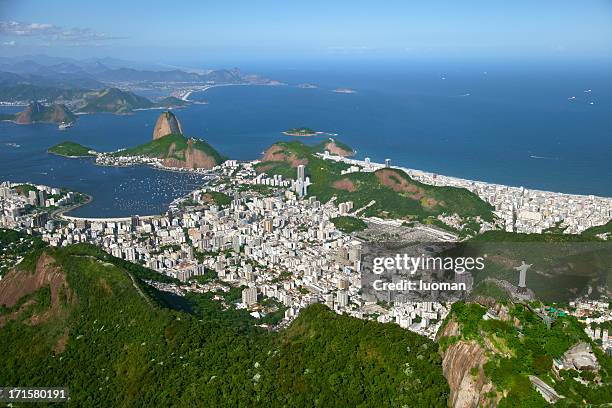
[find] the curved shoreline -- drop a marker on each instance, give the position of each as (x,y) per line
(206,88)
(474,179)
(91,156)
(58,214)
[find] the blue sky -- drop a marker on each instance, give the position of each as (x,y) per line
(183,30)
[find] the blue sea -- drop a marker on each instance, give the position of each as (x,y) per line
(545,127)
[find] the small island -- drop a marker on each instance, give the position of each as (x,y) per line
(345,90)
(301,131)
(71,149)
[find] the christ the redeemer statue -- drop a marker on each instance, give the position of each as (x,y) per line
(522,273)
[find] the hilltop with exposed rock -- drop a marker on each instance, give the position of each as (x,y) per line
(173,148)
(503,354)
(387,193)
(37,112)
(178,151)
(166,124)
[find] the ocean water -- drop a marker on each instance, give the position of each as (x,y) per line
(508,125)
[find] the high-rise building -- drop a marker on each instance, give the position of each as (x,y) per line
(42,198)
(342,299)
(387,163)
(299,188)
(301,173)
(32,198)
(268,227)
(249,296)
(40,219)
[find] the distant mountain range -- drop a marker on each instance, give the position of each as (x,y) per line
(109,100)
(63,73)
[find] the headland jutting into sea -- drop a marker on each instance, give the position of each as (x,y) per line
(520,209)
(526,215)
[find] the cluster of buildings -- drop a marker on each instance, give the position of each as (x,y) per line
(299,186)
(278,246)
(25,206)
(109,159)
(520,209)
(597,316)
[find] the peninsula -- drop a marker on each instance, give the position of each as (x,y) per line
(168,149)
(71,149)
(37,112)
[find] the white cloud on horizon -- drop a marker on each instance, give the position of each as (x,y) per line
(50,32)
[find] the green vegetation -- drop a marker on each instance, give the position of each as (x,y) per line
(28,92)
(113,341)
(600,229)
(172,146)
(70,149)
(349,224)
(438,223)
(220,199)
(172,102)
(114,100)
(394,193)
(489,289)
(37,112)
(14,245)
(503,236)
(301,131)
(517,352)
(564,266)
(24,189)
(321,147)
(260,189)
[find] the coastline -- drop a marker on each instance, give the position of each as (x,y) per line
(207,87)
(301,134)
(421,173)
(58,214)
(72,157)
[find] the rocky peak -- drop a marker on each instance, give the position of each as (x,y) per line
(37,112)
(166,124)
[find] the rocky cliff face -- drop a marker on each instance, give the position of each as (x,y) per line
(37,112)
(166,124)
(18,284)
(334,149)
(194,158)
(278,153)
(462,366)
